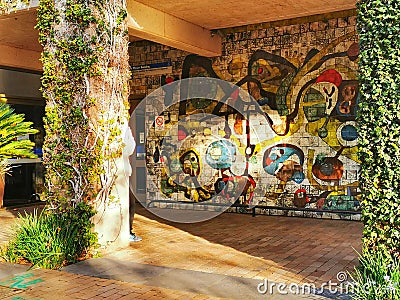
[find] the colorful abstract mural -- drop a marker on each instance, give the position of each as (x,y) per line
(295,149)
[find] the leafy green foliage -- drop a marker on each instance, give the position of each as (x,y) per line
(377,277)
(12,126)
(83,44)
(52,240)
(378,25)
(68,62)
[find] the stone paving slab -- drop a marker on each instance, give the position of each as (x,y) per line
(7,270)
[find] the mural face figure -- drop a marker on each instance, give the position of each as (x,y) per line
(328,168)
(300,198)
(285,162)
(264,71)
(190,163)
(347,98)
(287,171)
(331,80)
(321,99)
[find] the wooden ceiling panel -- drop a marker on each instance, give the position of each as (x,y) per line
(214,14)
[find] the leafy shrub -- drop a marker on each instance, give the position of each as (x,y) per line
(53,239)
(378,26)
(377,277)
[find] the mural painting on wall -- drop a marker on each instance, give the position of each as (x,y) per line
(296,148)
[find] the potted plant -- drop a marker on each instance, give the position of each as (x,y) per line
(12,126)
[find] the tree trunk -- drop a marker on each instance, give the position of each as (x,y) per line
(85,83)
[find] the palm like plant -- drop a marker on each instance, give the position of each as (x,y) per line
(12,126)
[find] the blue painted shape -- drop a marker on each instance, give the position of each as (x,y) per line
(349,133)
(275,156)
(298,177)
(220,154)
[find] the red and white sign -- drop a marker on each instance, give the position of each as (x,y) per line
(159,123)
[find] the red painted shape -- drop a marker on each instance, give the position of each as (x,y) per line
(181,135)
(331,76)
(235,94)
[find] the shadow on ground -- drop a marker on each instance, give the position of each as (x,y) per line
(315,249)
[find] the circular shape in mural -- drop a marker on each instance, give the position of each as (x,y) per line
(221,154)
(347,134)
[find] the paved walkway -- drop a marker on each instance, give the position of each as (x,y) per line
(226,257)
(281,249)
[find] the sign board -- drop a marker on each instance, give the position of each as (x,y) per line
(153,69)
(159,123)
(141,137)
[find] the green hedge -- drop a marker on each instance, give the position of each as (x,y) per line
(378,25)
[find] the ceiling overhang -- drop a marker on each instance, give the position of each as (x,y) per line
(217,14)
(186,24)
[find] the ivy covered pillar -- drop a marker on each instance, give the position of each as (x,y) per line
(85,83)
(378,26)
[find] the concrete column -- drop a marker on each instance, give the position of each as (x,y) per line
(112,219)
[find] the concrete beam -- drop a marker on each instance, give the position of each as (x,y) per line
(20,58)
(151,24)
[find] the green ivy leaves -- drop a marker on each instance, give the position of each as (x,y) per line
(378,25)
(78,38)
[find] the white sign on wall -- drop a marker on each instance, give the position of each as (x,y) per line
(159,123)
